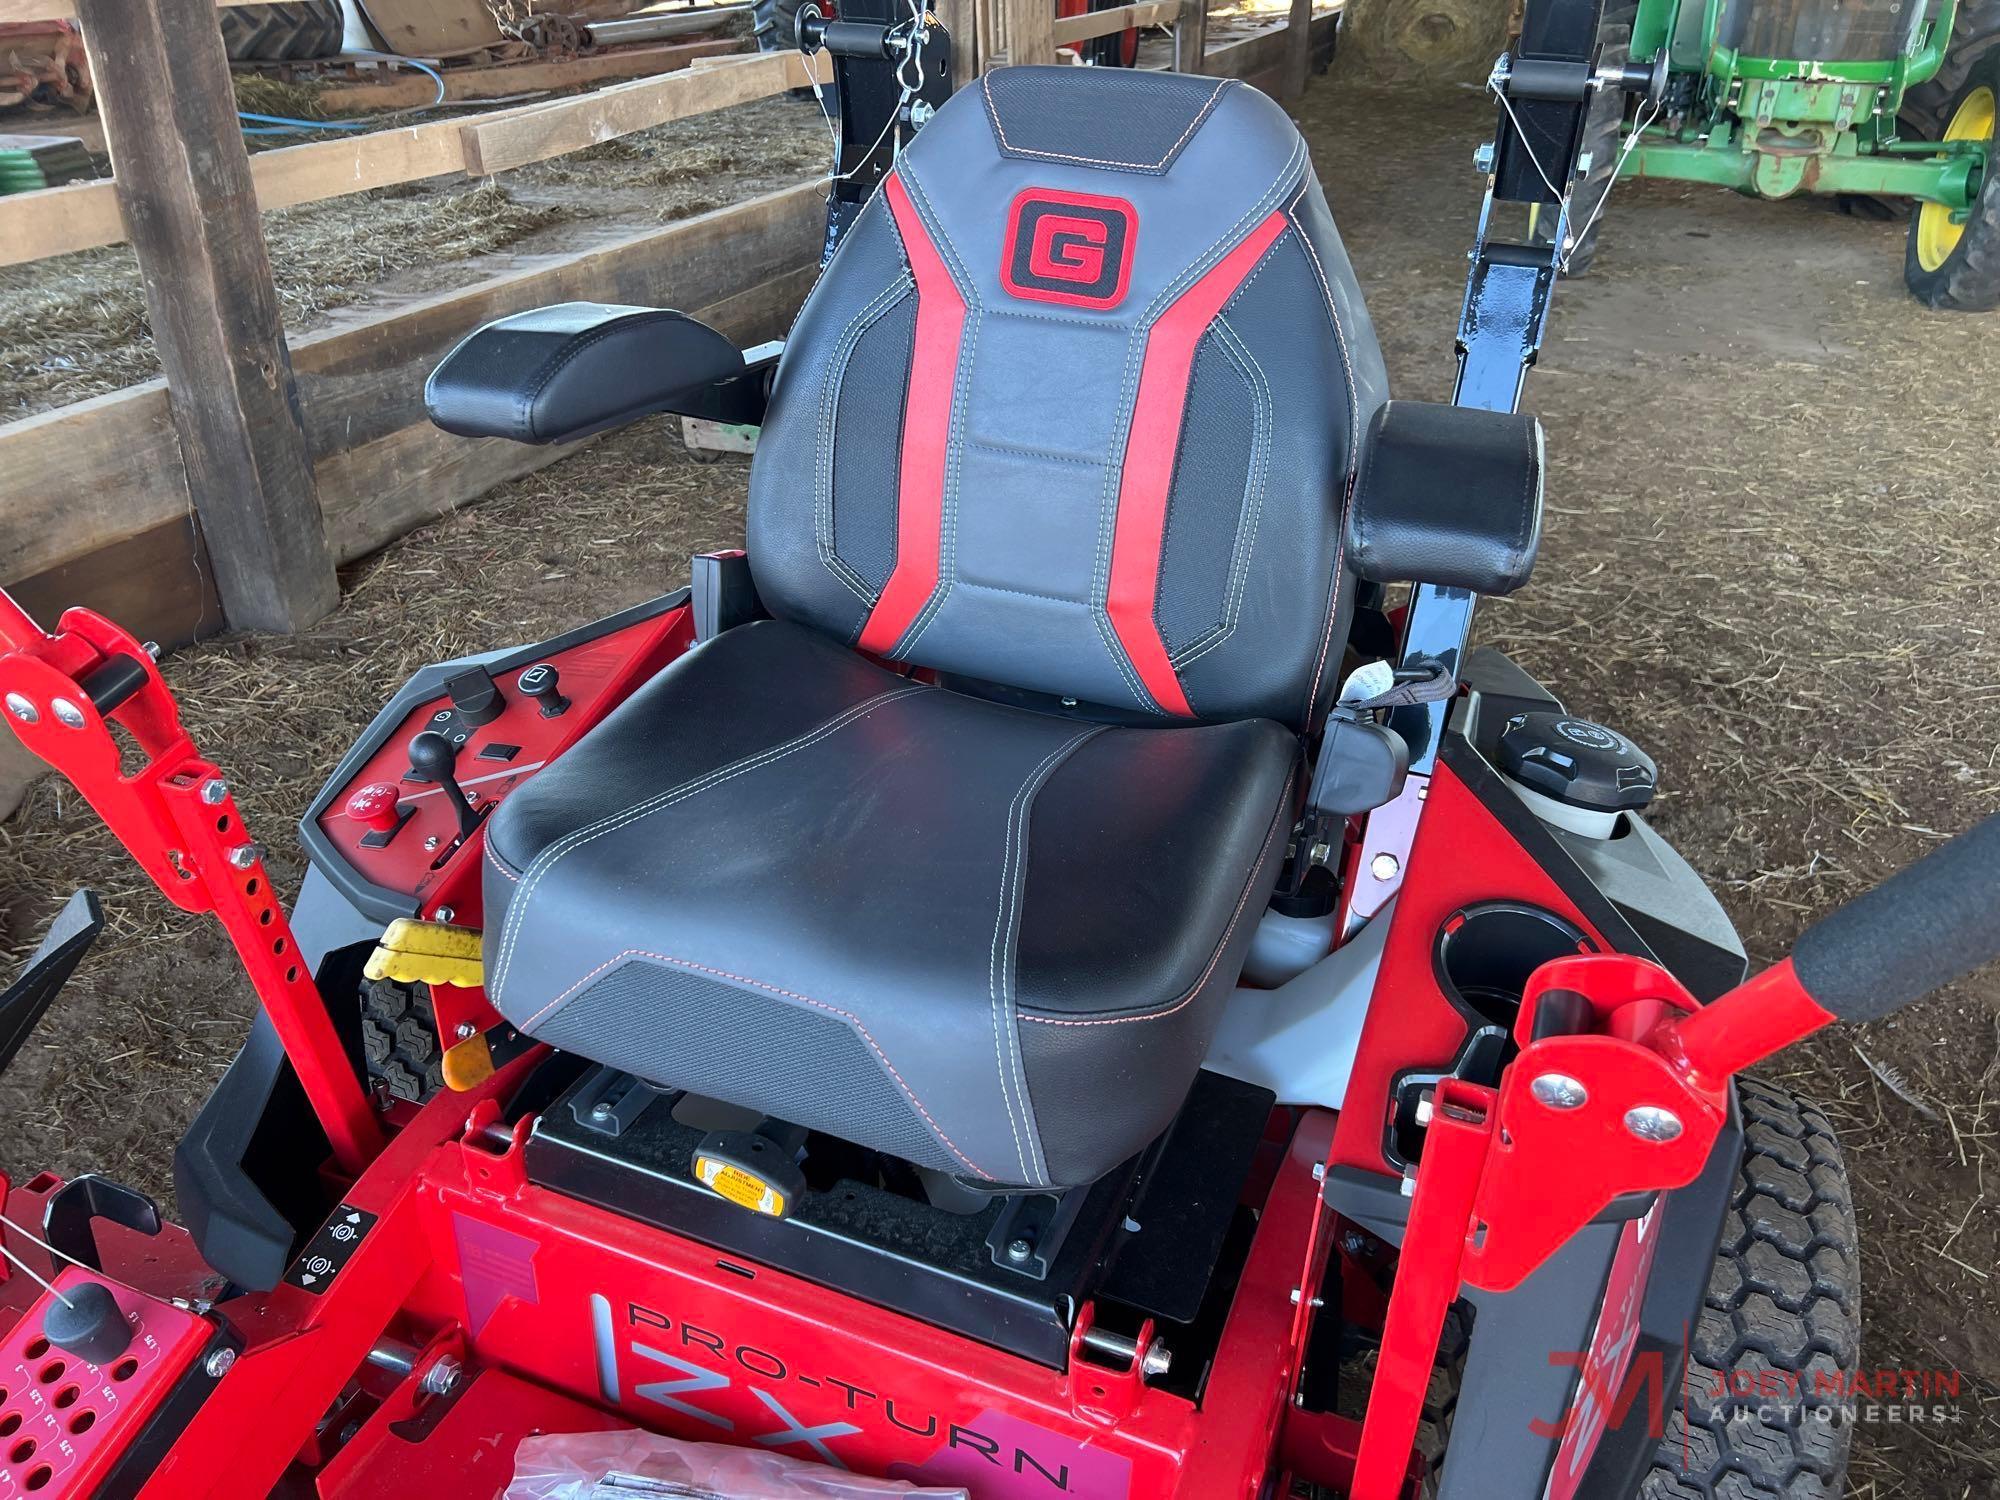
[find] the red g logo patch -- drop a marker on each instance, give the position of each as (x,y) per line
(1069,248)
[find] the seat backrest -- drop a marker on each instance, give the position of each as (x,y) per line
(1074,408)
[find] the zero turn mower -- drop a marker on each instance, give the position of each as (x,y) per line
(1033,980)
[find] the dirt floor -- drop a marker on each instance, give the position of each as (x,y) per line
(1769,558)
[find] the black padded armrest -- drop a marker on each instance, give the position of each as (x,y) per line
(560,373)
(1448,495)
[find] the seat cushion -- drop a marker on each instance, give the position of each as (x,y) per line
(977,937)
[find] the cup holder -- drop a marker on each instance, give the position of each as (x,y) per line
(1485,954)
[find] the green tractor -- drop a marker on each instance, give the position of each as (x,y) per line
(1875,99)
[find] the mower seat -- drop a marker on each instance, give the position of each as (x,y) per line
(1070,420)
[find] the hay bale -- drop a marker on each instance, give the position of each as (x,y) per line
(1406,41)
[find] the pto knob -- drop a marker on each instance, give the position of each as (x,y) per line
(88,1322)
(539,683)
(376,807)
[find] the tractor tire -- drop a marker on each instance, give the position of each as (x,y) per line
(1783,1301)
(399,1040)
(297,31)
(1603,136)
(1441,1396)
(1975,31)
(777,25)
(1953,267)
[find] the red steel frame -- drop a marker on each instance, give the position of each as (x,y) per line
(174,812)
(468,1260)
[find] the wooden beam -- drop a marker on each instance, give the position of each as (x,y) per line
(157,583)
(1072,29)
(499,142)
(1031,36)
(1298,49)
(86,475)
(1261,59)
(1191,37)
(961,23)
(62,10)
(56,221)
(406,90)
(89,478)
(183,181)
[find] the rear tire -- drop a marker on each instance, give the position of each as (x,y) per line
(1603,136)
(1975,31)
(293,32)
(1783,1301)
(399,1040)
(1957,267)
(777,25)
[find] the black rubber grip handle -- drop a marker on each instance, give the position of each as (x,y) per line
(1920,929)
(113,682)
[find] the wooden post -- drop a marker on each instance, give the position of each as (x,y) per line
(1191,36)
(1298,50)
(1031,31)
(184,187)
(961,19)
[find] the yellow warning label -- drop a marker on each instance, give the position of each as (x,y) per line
(740,1187)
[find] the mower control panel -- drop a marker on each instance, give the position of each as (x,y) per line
(397,826)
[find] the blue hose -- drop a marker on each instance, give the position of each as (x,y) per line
(286,125)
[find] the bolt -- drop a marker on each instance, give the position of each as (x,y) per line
(1019,1249)
(1385,867)
(23,708)
(1319,1171)
(431,843)
(1156,1361)
(442,1378)
(1354,1242)
(921,111)
(218,1364)
(1296,1295)
(1426,1107)
(1409,1187)
(1650,1122)
(67,713)
(600,1111)
(1320,853)
(1482,157)
(1559,1091)
(151,648)
(1069,702)
(244,856)
(214,791)
(444,914)
(466,1029)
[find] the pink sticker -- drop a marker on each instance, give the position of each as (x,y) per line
(494,1264)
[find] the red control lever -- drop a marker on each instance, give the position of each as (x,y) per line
(60,694)
(1622,1086)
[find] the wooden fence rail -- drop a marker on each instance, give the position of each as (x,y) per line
(98,504)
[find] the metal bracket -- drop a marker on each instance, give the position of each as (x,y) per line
(27,999)
(73,1207)
(174,813)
